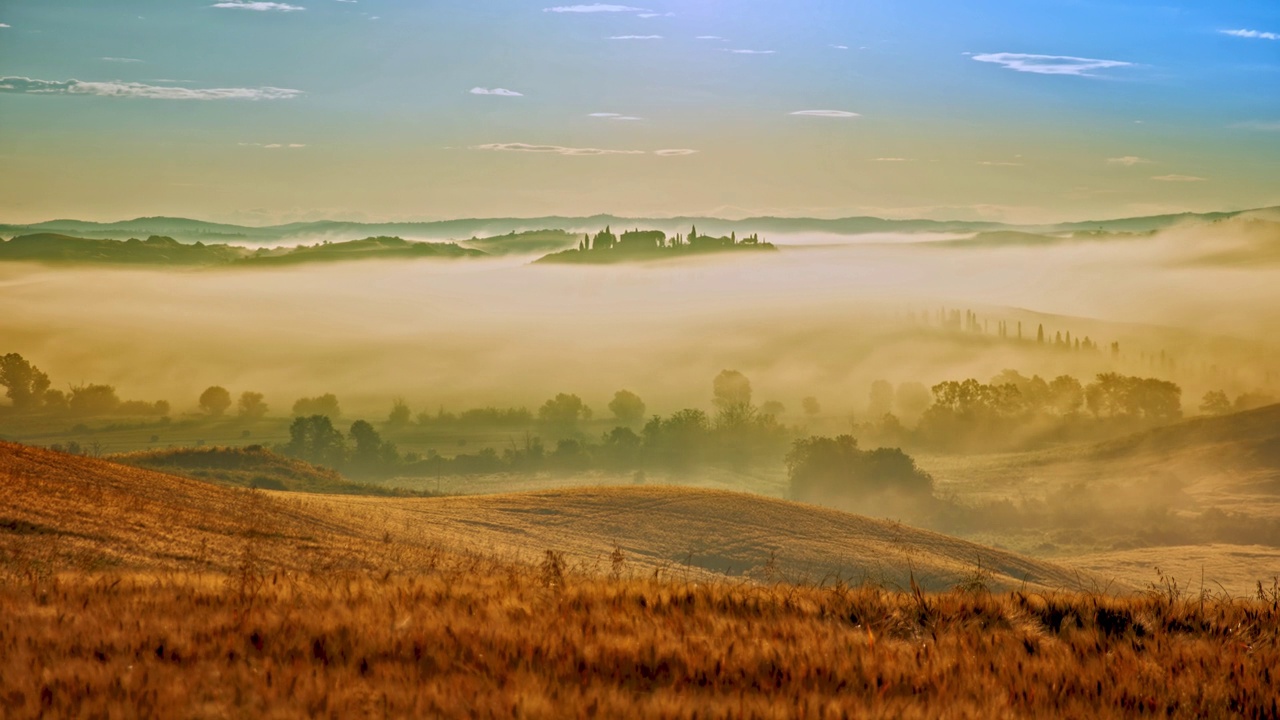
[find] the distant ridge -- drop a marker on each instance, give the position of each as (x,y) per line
(462,229)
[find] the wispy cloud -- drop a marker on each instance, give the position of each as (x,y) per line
(5,25)
(1050,64)
(502,92)
(717,38)
(827,113)
(675,152)
(1259,125)
(636,37)
(259,6)
(1178,178)
(654,14)
(999,163)
(613,116)
(139,90)
(595,8)
(572,151)
(840,47)
(121,60)
(1127,161)
(892,160)
(1252,34)
(274,146)
(750,52)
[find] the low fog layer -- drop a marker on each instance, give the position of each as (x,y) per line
(814,321)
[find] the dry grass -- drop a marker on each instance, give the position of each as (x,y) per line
(125,593)
(478,638)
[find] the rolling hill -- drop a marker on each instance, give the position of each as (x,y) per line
(76,512)
(158,250)
(196,230)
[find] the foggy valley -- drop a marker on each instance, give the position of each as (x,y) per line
(735,360)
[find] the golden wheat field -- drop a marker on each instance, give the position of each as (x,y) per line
(131,593)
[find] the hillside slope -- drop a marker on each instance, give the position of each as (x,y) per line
(712,531)
(63,511)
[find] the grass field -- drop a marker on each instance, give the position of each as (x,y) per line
(127,592)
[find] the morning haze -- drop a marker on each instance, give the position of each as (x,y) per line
(691,359)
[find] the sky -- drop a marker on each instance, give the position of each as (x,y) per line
(266,112)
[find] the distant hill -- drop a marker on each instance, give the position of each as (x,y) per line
(460,229)
(54,248)
(1017,238)
(51,247)
(533,242)
(99,513)
(249,467)
(373,248)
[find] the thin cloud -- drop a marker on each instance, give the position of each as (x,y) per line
(1257,125)
(573,151)
(259,6)
(751,52)
(711,37)
(1050,64)
(1252,34)
(501,92)
(274,146)
(636,37)
(553,149)
(1178,178)
(139,90)
(826,113)
(595,8)
(998,163)
(5,25)
(892,160)
(613,116)
(840,47)
(654,15)
(121,60)
(1127,161)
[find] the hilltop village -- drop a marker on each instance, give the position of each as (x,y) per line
(633,245)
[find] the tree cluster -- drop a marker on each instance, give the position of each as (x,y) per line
(29,391)
(361,452)
(835,469)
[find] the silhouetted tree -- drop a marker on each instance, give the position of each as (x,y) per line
(93,400)
(627,407)
(679,439)
(811,406)
(1215,402)
(562,413)
(731,395)
(315,440)
(250,406)
(1040,334)
(834,468)
(326,405)
(1066,395)
(400,414)
(24,383)
(370,455)
(773,408)
(215,400)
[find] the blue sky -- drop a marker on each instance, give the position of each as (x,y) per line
(386,109)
